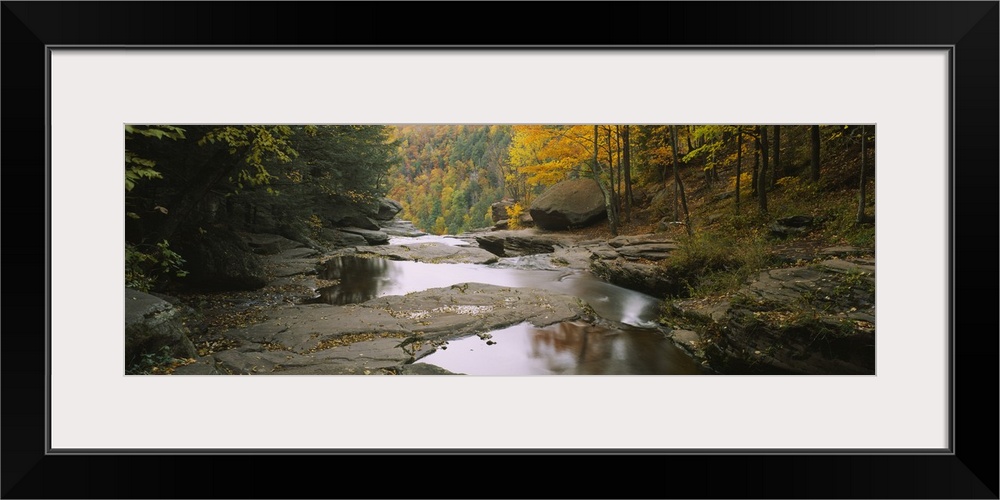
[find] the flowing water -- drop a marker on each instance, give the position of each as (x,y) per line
(634,347)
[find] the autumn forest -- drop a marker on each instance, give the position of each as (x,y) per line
(712,249)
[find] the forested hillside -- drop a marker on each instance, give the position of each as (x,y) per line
(748,247)
(450,175)
(192,193)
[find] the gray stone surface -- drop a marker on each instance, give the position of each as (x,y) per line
(387,209)
(152,323)
(807,319)
(572,203)
(385,334)
(340,239)
(270,244)
(372,237)
(431,252)
(498,210)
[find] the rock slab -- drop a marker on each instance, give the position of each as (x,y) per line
(572,203)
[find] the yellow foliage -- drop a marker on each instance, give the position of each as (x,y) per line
(315,225)
(439,226)
(546,154)
(514,216)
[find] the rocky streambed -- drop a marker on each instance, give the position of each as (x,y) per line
(571,305)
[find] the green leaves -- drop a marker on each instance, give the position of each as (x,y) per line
(156,131)
(138,168)
(146,265)
(141,168)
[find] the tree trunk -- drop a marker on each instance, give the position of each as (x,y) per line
(612,217)
(611,176)
(684,203)
(628,176)
(815,153)
(762,176)
(618,175)
(739,164)
(688,130)
(756,167)
(673,153)
(862,217)
(677,181)
(776,168)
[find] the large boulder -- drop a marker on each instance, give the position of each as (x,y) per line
(153,325)
(513,246)
(568,204)
(387,209)
(498,210)
(340,211)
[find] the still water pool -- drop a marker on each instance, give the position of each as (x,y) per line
(628,343)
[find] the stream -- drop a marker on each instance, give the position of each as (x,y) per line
(629,343)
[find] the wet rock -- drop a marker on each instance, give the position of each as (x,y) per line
(285,268)
(492,244)
(341,239)
(403,228)
(424,369)
(151,324)
(650,279)
(270,244)
(515,245)
(298,253)
(432,252)
(377,237)
(572,203)
(385,333)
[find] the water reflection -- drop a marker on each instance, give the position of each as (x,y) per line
(428,238)
(564,348)
(359,280)
(363,279)
(569,348)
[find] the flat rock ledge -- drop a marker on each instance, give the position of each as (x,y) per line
(386,334)
(430,252)
(817,319)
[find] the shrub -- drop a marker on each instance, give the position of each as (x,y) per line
(514,216)
(147,265)
(710,264)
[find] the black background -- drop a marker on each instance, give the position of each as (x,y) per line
(971,472)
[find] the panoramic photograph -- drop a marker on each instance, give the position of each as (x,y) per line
(499,249)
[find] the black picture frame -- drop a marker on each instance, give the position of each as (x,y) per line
(969,471)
